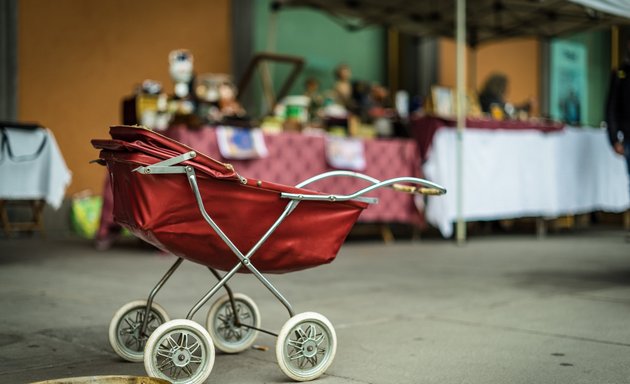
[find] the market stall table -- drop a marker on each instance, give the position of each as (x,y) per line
(32,173)
(423,128)
(525,173)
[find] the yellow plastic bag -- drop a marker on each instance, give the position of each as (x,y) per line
(85,214)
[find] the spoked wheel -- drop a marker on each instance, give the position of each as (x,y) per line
(228,335)
(124,329)
(180,351)
(306,346)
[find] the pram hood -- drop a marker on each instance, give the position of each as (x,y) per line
(143,140)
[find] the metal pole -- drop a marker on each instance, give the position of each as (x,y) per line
(614,47)
(460,21)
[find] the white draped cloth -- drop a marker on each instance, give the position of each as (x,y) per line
(32,166)
(525,173)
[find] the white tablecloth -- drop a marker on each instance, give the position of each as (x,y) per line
(36,169)
(525,173)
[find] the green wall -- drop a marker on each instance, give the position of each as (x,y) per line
(322,42)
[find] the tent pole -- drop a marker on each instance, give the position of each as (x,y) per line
(460,21)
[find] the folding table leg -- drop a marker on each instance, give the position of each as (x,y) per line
(541,227)
(387,234)
(37,207)
(6,226)
(36,222)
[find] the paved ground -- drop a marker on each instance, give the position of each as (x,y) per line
(502,309)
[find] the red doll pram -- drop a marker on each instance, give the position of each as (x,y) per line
(200,209)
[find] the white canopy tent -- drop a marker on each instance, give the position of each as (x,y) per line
(473,22)
(619,8)
(485,20)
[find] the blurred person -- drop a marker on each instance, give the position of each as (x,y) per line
(494,93)
(378,103)
(342,89)
(361,95)
(316,100)
(618,111)
(380,111)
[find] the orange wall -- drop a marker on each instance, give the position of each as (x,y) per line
(448,64)
(519,59)
(78,58)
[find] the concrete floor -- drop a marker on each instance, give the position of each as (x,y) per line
(502,309)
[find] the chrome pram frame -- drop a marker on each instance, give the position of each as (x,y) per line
(169,352)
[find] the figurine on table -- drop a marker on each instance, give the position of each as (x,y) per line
(181,71)
(217,98)
(228,105)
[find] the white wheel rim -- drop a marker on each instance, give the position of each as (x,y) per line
(125,336)
(306,346)
(226,335)
(181,352)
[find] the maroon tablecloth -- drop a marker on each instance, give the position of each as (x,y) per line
(423,128)
(295,157)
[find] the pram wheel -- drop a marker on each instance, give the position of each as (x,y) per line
(306,346)
(180,351)
(124,329)
(221,323)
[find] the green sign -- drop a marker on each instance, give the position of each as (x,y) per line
(569,87)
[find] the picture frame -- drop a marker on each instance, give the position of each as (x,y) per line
(442,102)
